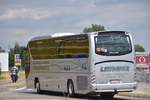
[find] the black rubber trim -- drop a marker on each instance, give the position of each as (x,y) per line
(114,61)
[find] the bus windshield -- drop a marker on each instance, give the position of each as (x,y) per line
(112,44)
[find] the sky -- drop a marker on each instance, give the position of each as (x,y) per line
(21,20)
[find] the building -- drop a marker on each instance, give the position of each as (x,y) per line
(4,61)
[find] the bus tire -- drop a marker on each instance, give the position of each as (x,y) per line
(107,94)
(38,87)
(70,89)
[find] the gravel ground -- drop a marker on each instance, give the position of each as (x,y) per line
(6,85)
(143,90)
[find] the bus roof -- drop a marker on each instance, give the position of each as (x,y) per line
(41,37)
(52,36)
(71,34)
(63,34)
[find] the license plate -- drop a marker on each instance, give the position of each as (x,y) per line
(115,81)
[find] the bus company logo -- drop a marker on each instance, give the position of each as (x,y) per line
(114,68)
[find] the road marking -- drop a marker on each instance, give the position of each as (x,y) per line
(20,88)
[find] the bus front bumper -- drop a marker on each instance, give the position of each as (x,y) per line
(118,87)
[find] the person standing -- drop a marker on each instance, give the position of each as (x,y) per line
(14,74)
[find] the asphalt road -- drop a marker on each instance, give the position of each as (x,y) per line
(28,94)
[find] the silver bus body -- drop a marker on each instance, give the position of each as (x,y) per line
(106,64)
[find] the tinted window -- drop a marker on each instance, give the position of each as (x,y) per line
(112,44)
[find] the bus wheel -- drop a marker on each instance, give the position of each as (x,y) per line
(38,87)
(70,89)
(107,95)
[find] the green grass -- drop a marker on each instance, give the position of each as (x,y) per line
(6,75)
(21,74)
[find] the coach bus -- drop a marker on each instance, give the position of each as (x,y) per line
(93,63)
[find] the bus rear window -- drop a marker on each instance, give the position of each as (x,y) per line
(112,44)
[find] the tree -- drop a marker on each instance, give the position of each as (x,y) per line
(93,27)
(139,48)
(11,57)
(24,58)
(18,50)
(12,52)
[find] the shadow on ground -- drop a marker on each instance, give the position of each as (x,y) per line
(77,96)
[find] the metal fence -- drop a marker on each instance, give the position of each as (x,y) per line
(142,75)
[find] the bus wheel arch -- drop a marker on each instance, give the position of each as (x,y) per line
(37,85)
(70,88)
(35,81)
